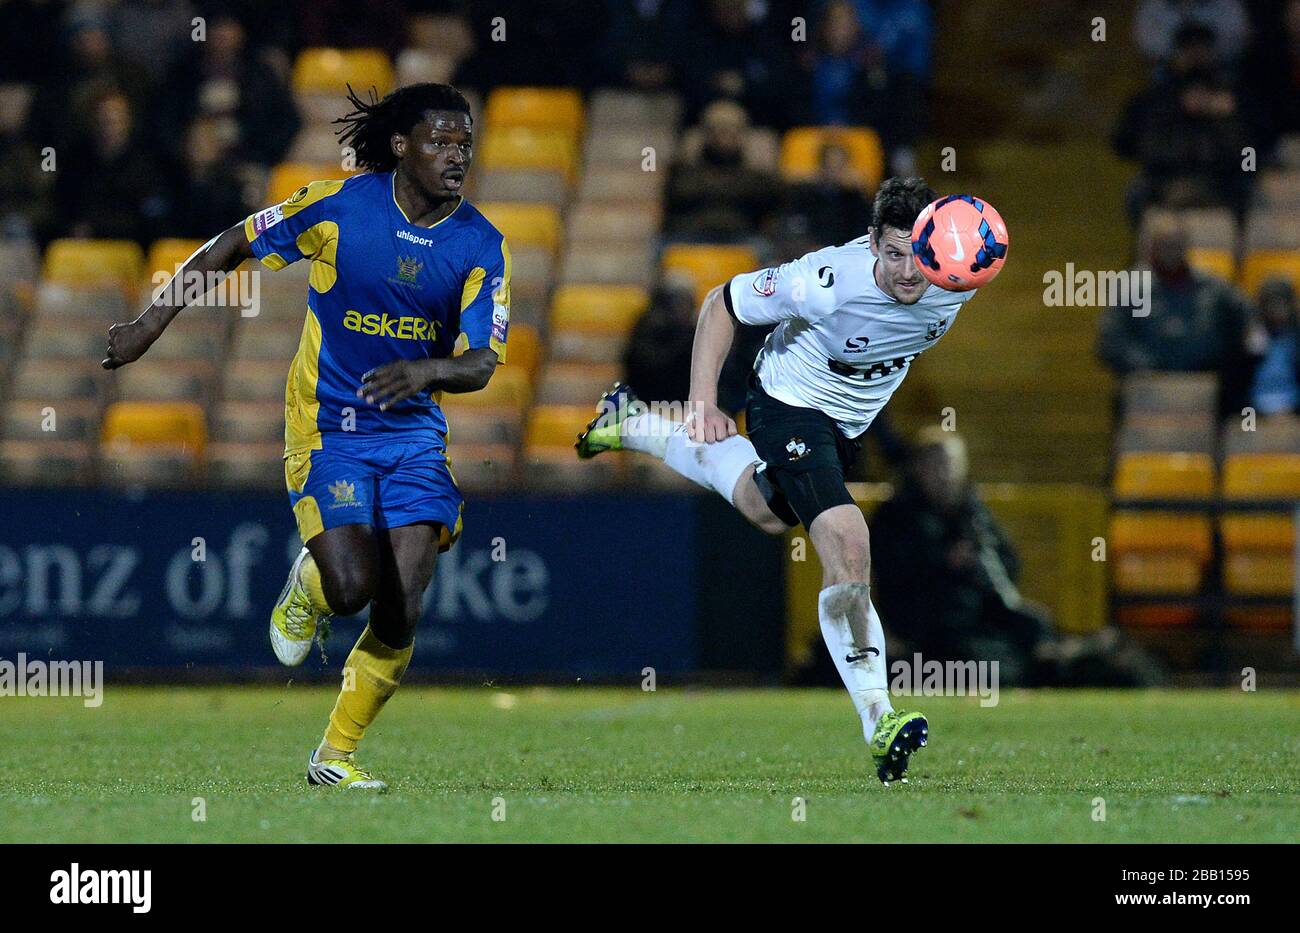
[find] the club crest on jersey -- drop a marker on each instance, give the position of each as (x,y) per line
(935,329)
(408,269)
(764,283)
(344,493)
(797,449)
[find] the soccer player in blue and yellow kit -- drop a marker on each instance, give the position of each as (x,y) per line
(402,266)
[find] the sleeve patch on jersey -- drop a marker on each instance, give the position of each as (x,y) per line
(500,322)
(265,220)
(764,283)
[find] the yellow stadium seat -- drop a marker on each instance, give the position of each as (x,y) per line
(1258,554)
(1261,475)
(523,348)
(542,108)
(525,224)
(556,427)
(708,264)
(508,388)
(288,177)
(155,424)
(87,263)
(1262,265)
(1151,475)
(1218,262)
(528,148)
(1159,552)
(1258,531)
(168,255)
(801,152)
(597,310)
(329,71)
(1271,618)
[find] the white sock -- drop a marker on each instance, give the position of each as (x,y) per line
(851,627)
(714,466)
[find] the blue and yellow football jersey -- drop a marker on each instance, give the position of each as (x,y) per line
(381,289)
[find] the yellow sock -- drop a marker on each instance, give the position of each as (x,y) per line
(310,576)
(370,676)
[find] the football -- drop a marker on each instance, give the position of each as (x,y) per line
(960,242)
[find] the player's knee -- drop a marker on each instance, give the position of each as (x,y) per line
(349,590)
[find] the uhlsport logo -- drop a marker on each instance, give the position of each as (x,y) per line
(78,885)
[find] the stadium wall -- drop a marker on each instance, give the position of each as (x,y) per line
(178,585)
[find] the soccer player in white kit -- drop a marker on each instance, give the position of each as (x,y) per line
(850,320)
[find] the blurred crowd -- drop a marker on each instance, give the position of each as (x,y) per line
(159,126)
(1223,94)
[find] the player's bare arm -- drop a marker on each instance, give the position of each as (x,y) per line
(222,254)
(714,332)
(389,384)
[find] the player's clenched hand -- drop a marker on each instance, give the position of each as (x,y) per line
(393,382)
(127,343)
(708,424)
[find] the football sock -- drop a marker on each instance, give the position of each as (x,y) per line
(370,676)
(853,633)
(716,466)
(310,576)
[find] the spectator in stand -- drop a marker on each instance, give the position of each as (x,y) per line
(151,35)
(63,107)
(645,43)
(904,31)
(108,183)
(1273,345)
(657,358)
(1158,22)
(29,38)
(713,194)
(738,55)
(1195,321)
(845,72)
(1274,63)
(211,192)
(834,206)
(228,82)
(946,584)
(1188,131)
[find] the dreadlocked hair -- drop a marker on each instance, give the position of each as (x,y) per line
(369,128)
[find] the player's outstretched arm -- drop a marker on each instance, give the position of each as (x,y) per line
(222,254)
(389,384)
(714,331)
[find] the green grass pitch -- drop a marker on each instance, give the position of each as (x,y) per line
(612,765)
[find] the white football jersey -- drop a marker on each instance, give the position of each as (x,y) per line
(842,346)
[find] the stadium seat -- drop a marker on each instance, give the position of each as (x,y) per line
(478,466)
(1277,189)
(270,340)
(329,71)
(317,143)
(245,465)
(47,419)
(178,425)
(575,383)
(598,222)
(249,422)
(557,426)
(508,388)
(522,185)
(198,338)
(531,267)
(1185,433)
(541,108)
(167,256)
(708,265)
(51,338)
(629,187)
(618,108)
(1169,393)
(1158,475)
(420,66)
(1217,262)
(549,461)
(35,378)
(1265,264)
(523,348)
(592,324)
(1206,227)
(525,224)
(801,150)
(611,265)
(1258,554)
(1261,476)
(1273,434)
(1159,552)
(528,148)
(626,148)
(164,381)
(47,462)
(1274,228)
(256,380)
(100,305)
(288,177)
(89,263)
